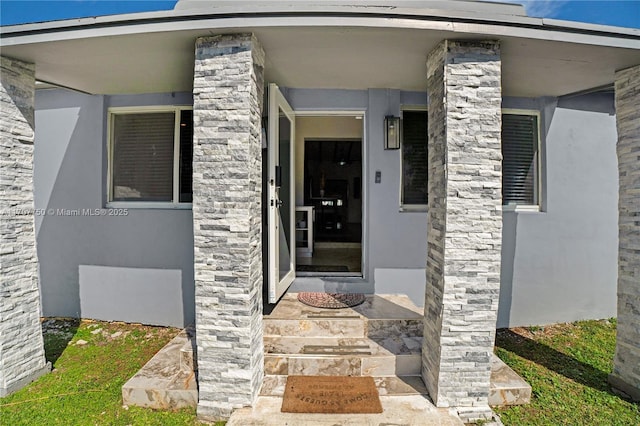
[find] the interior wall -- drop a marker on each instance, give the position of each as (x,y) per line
(325,127)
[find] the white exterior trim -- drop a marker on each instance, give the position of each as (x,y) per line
(329,113)
(176,157)
(175,204)
(364,196)
(521,208)
(537,195)
(147,205)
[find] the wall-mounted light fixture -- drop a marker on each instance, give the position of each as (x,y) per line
(391,132)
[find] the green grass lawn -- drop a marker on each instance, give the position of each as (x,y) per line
(567,366)
(84,387)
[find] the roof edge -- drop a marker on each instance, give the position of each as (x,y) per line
(16,32)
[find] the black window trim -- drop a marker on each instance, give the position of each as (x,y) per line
(409,208)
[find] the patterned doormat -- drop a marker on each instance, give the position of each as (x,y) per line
(331,394)
(331,300)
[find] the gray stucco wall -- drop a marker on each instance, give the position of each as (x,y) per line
(561,264)
(393,251)
(82,256)
(557,265)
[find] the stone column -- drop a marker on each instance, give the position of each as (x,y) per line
(626,367)
(227,221)
(22,357)
(465,224)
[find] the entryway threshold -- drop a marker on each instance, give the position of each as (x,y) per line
(329,274)
(409,410)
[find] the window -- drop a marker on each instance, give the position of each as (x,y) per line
(414,160)
(520,147)
(151,152)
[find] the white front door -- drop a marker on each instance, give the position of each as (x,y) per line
(281,195)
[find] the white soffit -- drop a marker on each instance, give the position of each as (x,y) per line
(123,55)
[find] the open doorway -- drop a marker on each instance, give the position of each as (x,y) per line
(329,196)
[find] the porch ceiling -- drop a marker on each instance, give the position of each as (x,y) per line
(317,57)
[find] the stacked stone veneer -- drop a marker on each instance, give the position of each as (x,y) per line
(21,344)
(465,224)
(626,369)
(227,221)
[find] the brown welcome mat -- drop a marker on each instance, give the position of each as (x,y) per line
(331,395)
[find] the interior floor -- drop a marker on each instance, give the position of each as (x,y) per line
(329,194)
(331,259)
(349,233)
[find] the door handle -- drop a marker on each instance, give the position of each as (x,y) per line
(276,203)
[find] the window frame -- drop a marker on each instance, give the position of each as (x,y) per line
(537,177)
(410,208)
(175,203)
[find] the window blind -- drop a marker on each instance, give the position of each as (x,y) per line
(143,156)
(414,157)
(519,164)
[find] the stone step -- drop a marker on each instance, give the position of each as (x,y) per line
(341,326)
(404,399)
(316,326)
(406,410)
(331,356)
(506,387)
(375,306)
(378,316)
(381,328)
(386,385)
(162,383)
(188,358)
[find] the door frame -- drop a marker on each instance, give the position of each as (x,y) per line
(365,175)
(277,286)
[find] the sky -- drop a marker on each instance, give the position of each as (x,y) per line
(623,13)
